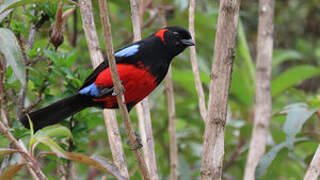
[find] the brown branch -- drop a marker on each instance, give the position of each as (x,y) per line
(172,127)
(115,142)
(213,146)
(194,63)
(33,163)
(314,167)
(143,108)
(104,15)
(96,58)
(171,110)
(262,115)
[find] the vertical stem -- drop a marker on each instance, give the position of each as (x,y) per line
(314,167)
(263,104)
(194,62)
(115,141)
(213,146)
(171,110)
(109,115)
(118,87)
(143,108)
(172,127)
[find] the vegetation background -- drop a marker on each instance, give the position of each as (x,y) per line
(52,75)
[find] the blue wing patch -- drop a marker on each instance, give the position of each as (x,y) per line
(128,51)
(91,90)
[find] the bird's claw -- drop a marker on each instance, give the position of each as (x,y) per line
(138,143)
(114,93)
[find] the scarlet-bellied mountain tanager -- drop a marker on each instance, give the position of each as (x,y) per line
(141,67)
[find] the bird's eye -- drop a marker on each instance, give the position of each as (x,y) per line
(176,34)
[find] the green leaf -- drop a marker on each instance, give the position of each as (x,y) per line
(281,56)
(17,3)
(5,151)
(298,114)
(52,145)
(54,130)
(95,161)
(46,133)
(10,48)
(268,158)
(11,171)
(244,51)
(292,77)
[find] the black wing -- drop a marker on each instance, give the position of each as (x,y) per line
(92,77)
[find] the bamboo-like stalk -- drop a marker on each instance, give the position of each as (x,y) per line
(118,88)
(213,145)
(109,115)
(263,104)
(143,108)
(314,167)
(171,110)
(194,63)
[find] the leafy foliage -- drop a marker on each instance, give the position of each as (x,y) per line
(52,75)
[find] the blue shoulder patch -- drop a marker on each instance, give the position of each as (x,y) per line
(91,90)
(128,51)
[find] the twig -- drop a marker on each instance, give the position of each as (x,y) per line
(33,163)
(213,146)
(143,108)
(96,59)
(148,23)
(114,137)
(194,62)
(314,167)
(171,110)
(118,87)
(262,115)
(172,127)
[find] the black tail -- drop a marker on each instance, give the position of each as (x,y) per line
(58,111)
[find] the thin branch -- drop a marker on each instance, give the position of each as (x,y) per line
(213,146)
(115,141)
(118,87)
(173,147)
(172,127)
(263,105)
(96,58)
(143,108)
(314,167)
(194,63)
(33,163)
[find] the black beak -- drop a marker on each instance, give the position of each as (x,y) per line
(188,42)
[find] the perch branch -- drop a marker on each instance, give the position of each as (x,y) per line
(118,87)
(109,115)
(143,108)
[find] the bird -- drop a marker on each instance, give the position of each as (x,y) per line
(141,66)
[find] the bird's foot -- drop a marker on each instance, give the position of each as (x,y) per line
(114,93)
(137,145)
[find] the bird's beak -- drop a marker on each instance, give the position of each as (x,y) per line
(188,42)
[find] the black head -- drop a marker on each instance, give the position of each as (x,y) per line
(175,39)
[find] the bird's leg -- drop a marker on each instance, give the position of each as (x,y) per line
(114,93)
(138,143)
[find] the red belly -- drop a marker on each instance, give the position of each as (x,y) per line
(137,82)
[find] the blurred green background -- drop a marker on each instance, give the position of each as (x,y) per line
(295,85)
